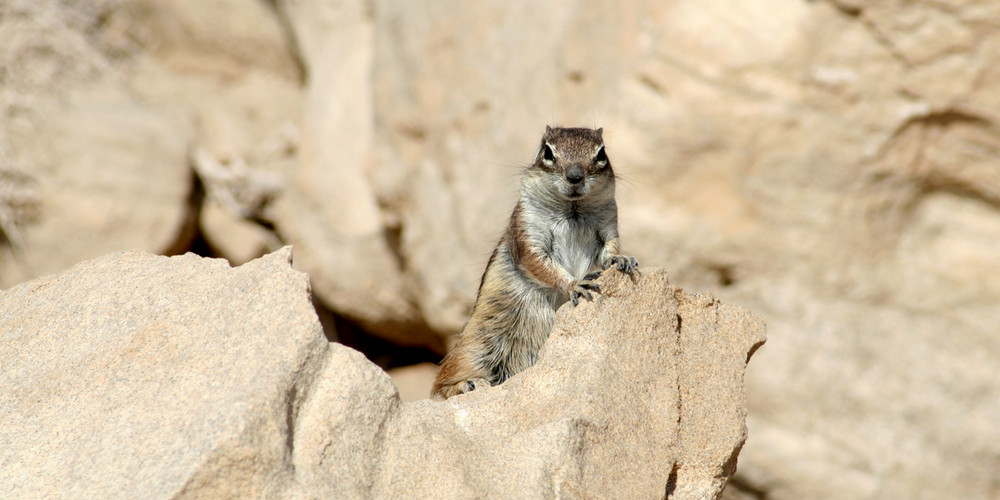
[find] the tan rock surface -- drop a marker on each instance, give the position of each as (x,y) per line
(137,375)
(134,375)
(635,395)
(62,95)
(415,381)
(329,210)
(830,164)
(100,106)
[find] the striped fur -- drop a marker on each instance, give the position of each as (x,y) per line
(563,229)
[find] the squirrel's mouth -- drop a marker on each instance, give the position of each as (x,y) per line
(576,192)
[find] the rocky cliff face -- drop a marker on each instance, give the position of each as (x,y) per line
(136,375)
(829,164)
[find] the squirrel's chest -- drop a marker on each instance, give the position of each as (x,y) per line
(575,246)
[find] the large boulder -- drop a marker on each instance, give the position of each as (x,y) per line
(638,394)
(101,103)
(831,163)
(64,109)
(138,375)
(329,209)
(135,375)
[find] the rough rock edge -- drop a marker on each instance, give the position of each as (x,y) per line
(696,473)
(335,401)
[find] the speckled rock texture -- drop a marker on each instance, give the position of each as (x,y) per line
(135,375)
(829,164)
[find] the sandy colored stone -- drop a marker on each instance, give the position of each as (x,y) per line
(95,188)
(138,375)
(636,394)
(414,382)
(832,165)
(135,375)
(329,209)
(100,112)
(93,200)
(236,239)
(340,440)
(827,163)
(225,37)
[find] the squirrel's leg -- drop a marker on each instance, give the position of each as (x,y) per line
(611,256)
(459,374)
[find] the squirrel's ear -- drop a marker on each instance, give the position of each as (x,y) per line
(548,129)
(600,133)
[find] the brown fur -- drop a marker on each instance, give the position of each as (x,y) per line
(564,227)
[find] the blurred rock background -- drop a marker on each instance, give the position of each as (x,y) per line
(831,165)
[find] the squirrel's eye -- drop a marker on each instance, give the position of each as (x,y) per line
(547,155)
(601,157)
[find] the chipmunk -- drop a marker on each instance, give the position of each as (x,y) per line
(563,230)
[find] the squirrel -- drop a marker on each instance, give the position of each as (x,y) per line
(562,233)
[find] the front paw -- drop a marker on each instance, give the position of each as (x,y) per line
(583,288)
(460,387)
(472,384)
(624,263)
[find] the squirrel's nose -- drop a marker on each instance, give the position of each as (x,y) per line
(574,174)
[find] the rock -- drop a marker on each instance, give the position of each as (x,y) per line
(134,375)
(138,375)
(329,210)
(132,195)
(830,164)
(636,394)
(414,381)
(234,238)
(226,37)
(235,197)
(231,69)
(338,447)
(453,136)
(99,116)
(64,109)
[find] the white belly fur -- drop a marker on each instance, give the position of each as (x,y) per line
(575,247)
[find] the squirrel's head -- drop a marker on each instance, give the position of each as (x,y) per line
(573,162)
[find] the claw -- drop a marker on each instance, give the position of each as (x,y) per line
(625,264)
(583,289)
(473,384)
